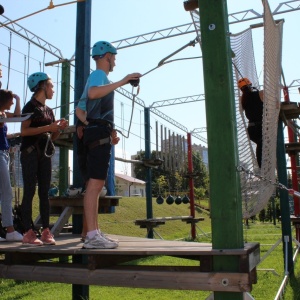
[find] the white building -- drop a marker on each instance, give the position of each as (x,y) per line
(128,186)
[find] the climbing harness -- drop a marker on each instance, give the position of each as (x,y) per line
(51,146)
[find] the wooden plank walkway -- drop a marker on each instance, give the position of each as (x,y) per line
(152,223)
(67,262)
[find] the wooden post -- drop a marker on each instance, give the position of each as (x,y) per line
(64,111)
(82,71)
(293,158)
(148,169)
(191,183)
(284,201)
(225,194)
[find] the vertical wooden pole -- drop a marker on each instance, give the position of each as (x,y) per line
(284,201)
(156,138)
(191,183)
(82,71)
(64,152)
(149,208)
(291,136)
(225,194)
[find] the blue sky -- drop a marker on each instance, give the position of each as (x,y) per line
(119,19)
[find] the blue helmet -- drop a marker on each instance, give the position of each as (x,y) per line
(102,47)
(34,79)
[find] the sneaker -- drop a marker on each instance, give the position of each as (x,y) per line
(14,236)
(30,239)
(108,238)
(98,242)
(47,237)
(2,239)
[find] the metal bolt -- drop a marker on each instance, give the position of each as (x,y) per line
(211,26)
(225,282)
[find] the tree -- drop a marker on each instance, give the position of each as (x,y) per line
(174,180)
(162,184)
(140,171)
(199,168)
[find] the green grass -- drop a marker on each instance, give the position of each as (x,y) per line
(122,223)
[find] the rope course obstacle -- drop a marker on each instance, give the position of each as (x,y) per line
(255,191)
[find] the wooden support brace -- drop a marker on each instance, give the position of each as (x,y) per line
(62,220)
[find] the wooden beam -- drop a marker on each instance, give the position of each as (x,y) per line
(223,282)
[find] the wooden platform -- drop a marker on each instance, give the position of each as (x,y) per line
(292,148)
(289,111)
(67,262)
(154,222)
(65,139)
(150,224)
(295,220)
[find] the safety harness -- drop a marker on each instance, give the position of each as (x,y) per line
(100,142)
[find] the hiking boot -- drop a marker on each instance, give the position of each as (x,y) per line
(30,239)
(98,242)
(14,236)
(108,238)
(47,237)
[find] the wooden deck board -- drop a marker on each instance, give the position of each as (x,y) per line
(106,266)
(136,279)
(70,244)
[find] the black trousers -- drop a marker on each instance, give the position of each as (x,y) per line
(36,169)
(255,135)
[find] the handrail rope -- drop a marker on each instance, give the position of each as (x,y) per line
(275,183)
(24,80)
(9,58)
(28,65)
(132,109)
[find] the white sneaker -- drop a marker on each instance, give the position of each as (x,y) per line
(14,236)
(108,238)
(99,242)
(2,239)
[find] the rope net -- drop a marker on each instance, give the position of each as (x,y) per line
(257,190)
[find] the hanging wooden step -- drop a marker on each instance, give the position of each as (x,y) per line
(289,111)
(292,148)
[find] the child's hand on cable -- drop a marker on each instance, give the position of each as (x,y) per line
(114,138)
(63,123)
(80,130)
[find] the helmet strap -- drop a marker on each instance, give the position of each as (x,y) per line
(109,61)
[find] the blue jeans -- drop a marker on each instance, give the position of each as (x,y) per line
(6,194)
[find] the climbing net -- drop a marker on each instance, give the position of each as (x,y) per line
(256,190)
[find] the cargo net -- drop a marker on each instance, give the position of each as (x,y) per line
(257,185)
(257,190)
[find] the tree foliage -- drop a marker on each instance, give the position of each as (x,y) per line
(168,182)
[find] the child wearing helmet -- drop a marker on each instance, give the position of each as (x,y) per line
(97,103)
(252,104)
(35,161)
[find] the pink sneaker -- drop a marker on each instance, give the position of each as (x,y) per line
(47,237)
(30,239)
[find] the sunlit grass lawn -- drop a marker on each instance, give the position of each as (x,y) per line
(270,272)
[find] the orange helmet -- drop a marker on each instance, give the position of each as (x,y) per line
(243,82)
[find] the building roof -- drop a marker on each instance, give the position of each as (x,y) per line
(129,178)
